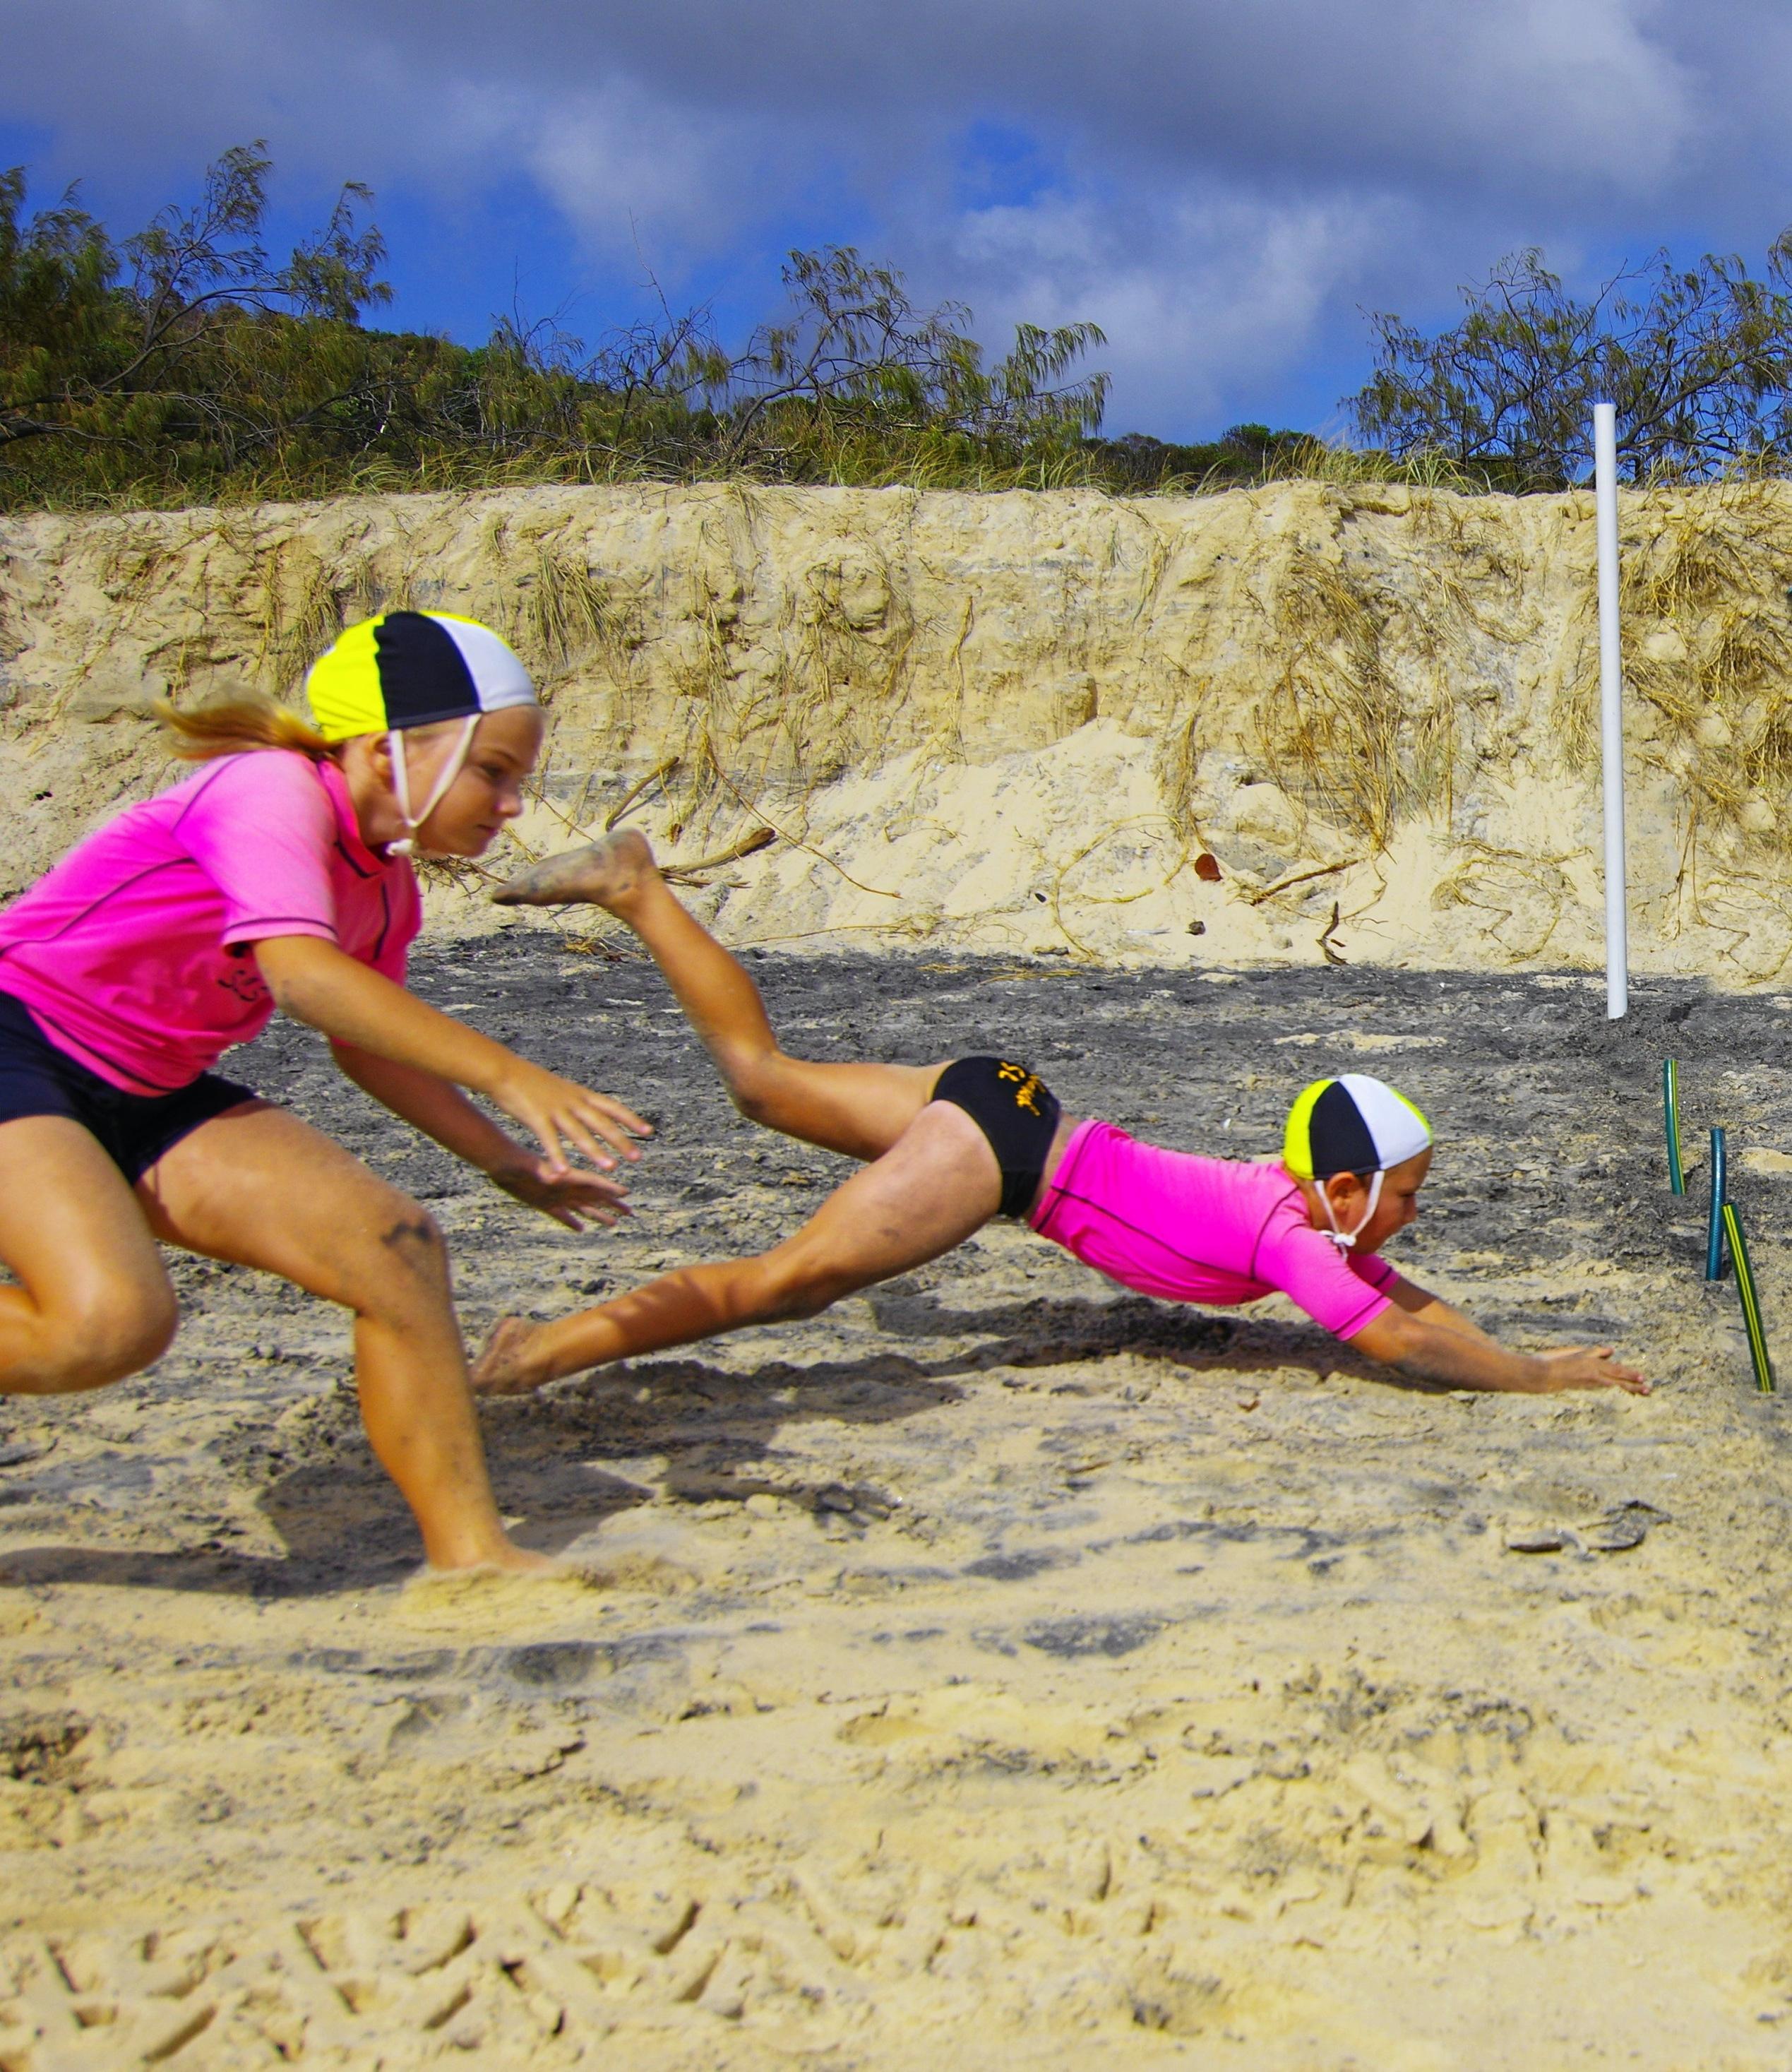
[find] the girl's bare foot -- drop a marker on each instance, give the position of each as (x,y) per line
(608,871)
(459,1582)
(517,1560)
(504,1367)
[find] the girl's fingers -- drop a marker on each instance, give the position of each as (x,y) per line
(574,1126)
(611,1124)
(562,1122)
(625,1115)
(558,1167)
(611,1136)
(591,1123)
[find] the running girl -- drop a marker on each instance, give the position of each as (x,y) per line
(951,1146)
(278,876)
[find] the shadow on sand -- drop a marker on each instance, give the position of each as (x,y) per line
(344,1527)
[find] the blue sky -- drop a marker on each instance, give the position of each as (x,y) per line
(1224,185)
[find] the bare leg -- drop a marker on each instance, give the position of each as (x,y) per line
(860,1110)
(929,1192)
(93,1303)
(259,1187)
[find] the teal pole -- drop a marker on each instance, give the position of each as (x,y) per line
(1671,1111)
(1714,1239)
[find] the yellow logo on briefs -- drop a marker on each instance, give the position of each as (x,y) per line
(1028,1085)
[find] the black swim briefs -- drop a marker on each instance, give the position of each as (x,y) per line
(134,1129)
(1019,1113)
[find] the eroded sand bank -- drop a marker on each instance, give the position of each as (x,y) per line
(1017,723)
(999,1671)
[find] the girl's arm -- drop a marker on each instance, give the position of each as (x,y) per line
(316,983)
(443,1111)
(1419,1301)
(1431,1351)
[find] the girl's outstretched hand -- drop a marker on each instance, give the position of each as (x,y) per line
(560,1112)
(1589,1367)
(575,1199)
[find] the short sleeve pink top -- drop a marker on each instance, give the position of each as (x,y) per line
(1218,1231)
(132,953)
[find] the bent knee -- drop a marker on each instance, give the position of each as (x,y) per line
(410,1250)
(104,1340)
(410,1232)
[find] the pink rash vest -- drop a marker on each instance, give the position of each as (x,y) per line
(133,952)
(1218,1231)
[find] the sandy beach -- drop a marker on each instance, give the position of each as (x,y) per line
(1000,1668)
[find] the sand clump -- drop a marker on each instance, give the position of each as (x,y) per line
(1018,722)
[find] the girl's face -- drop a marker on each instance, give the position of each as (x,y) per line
(488,791)
(1398,1207)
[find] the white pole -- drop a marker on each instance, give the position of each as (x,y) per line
(1611,708)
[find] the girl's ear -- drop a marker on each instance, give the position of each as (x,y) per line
(1341,1188)
(370,753)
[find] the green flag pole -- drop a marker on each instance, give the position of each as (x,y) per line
(1751,1302)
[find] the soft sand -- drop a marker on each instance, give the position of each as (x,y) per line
(999,1671)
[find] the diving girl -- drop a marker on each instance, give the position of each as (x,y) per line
(949,1147)
(279,875)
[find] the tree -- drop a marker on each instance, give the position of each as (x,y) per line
(1698,361)
(854,343)
(98,344)
(184,363)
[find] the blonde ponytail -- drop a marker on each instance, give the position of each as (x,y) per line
(233,725)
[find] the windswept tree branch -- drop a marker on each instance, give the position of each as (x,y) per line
(1698,361)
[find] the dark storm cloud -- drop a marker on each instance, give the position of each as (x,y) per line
(1514,92)
(1219,176)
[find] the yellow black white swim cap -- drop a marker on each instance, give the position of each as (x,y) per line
(1351,1124)
(412,669)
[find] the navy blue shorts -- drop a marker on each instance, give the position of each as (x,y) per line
(133,1129)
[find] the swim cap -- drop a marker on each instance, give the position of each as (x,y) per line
(1351,1124)
(412,669)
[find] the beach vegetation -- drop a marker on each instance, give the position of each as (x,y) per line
(1698,360)
(187,363)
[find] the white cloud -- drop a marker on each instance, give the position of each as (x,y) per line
(631,170)
(1205,298)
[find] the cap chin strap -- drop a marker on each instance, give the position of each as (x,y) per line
(1345,1240)
(401,782)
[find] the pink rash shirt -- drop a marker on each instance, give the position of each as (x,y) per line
(1218,1231)
(133,952)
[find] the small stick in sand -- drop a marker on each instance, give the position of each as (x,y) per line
(635,791)
(747,846)
(1301,878)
